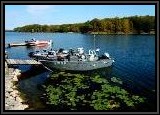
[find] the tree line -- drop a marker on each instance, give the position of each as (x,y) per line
(125,25)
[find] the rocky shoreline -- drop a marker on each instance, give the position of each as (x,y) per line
(13,100)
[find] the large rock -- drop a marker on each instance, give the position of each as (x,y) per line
(15,78)
(14,87)
(7,94)
(8,89)
(6,68)
(10,101)
(7,107)
(20,107)
(19,99)
(14,93)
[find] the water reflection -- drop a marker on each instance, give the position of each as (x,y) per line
(39,47)
(33,71)
(29,81)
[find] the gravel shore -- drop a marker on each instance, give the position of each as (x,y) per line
(12,95)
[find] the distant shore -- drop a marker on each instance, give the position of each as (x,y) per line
(92,33)
(101,33)
(9,31)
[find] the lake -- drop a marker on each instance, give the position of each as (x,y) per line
(134,57)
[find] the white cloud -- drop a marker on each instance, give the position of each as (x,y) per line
(38,9)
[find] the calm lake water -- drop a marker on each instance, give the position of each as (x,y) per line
(134,57)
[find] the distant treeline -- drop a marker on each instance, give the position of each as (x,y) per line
(9,30)
(125,25)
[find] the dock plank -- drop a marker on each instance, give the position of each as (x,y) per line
(16,44)
(22,62)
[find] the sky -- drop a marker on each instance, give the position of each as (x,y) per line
(20,15)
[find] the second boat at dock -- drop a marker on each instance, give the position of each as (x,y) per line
(34,42)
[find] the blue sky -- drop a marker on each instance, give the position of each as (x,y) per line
(20,15)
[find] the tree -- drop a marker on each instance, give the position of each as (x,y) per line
(63,28)
(86,27)
(96,24)
(126,26)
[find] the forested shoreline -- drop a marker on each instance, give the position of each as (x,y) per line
(125,25)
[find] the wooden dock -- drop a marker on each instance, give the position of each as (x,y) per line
(22,62)
(17,44)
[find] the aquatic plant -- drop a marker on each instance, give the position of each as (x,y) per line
(116,80)
(65,91)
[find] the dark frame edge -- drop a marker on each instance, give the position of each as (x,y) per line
(68,2)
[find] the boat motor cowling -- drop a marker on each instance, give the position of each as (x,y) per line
(31,54)
(107,55)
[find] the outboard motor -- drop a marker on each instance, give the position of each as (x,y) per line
(104,56)
(50,42)
(80,50)
(97,50)
(43,51)
(71,51)
(31,54)
(60,50)
(107,55)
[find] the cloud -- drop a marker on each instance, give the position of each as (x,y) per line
(38,9)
